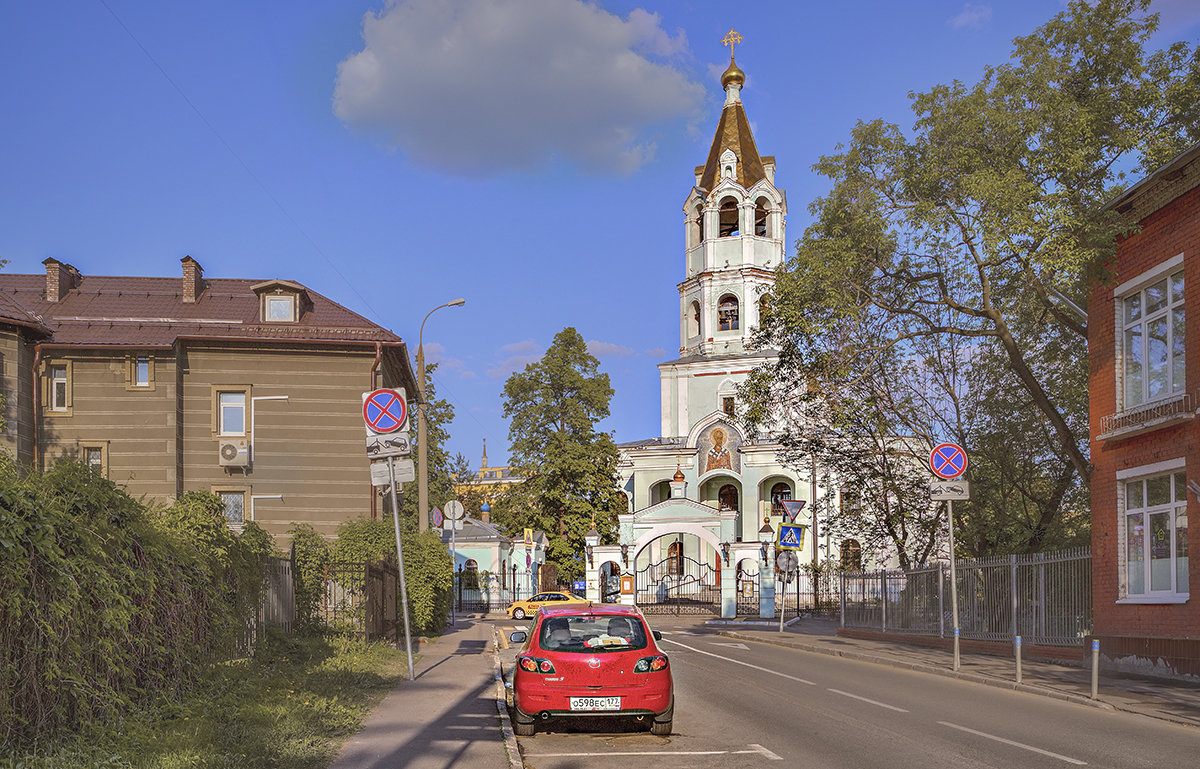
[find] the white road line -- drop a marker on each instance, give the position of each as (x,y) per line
(1068,759)
(871,702)
(754,749)
(739,662)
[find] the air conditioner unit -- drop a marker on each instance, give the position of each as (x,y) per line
(234,453)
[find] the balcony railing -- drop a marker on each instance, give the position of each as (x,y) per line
(1147,417)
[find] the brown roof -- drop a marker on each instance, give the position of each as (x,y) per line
(11,312)
(150,312)
(733,132)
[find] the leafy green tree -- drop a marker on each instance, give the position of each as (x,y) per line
(979,227)
(569,466)
(439,413)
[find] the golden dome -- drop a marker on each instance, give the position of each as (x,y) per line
(732,75)
(679,476)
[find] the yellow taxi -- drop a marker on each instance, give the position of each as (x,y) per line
(528,607)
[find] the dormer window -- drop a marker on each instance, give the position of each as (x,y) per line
(282,301)
(280,308)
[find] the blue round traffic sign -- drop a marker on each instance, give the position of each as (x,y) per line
(948,461)
(385,411)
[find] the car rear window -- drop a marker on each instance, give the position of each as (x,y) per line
(587,634)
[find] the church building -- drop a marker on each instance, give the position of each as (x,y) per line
(702,494)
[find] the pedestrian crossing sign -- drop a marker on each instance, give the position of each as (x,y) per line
(791,536)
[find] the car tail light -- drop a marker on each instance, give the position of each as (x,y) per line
(651,664)
(535,665)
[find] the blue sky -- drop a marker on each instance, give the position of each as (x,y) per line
(531,156)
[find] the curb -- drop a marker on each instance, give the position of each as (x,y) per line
(510,738)
(918,667)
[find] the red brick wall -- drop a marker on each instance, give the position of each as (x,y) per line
(1173,229)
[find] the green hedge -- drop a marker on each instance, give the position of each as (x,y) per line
(103,600)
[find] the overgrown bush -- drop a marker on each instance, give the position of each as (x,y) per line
(103,601)
(427,568)
(311,553)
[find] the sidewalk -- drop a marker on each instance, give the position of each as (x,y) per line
(447,717)
(1171,700)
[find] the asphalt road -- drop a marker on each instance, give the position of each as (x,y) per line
(751,705)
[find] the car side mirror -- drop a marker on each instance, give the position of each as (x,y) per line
(657,634)
(518,637)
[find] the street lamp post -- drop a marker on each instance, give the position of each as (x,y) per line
(422,447)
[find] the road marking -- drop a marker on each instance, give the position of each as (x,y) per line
(754,749)
(1060,757)
(731,645)
(739,662)
(868,701)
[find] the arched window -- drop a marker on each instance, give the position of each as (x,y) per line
(471,575)
(851,555)
(727,497)
(729,218)
(675,558)
(764,308)
(694,320)
(779,492)
(695,226)
(761,212)
(727,313)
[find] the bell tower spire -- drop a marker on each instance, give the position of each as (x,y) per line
(734,233)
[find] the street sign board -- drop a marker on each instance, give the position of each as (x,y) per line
(578,585)
(791,536)
(394,445)
(792,507)
(436,517)
(948,461)
(787,561)
(384,411)
(454,510)
(529,538)
(382,476)
(528,559)
(952,490)
(449,525)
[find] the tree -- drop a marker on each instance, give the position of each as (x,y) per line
(439,413)
(978,228)
(570,467)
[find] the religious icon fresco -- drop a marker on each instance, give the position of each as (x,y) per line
(718,450)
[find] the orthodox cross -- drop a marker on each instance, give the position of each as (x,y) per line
(732,37)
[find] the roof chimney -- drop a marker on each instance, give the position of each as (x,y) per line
(193,279)
(60,278)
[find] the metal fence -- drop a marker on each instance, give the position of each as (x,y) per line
(1046,598)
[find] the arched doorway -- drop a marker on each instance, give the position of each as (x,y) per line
(746,575)
(678,574)
(610,582)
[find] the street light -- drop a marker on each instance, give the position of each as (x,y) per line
(766,535)
(591,539)
(422,448)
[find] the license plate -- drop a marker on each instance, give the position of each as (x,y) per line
(595,703)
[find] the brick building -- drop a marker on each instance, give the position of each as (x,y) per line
(251,389)
(1144,379)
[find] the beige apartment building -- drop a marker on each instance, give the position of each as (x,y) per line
(251,389)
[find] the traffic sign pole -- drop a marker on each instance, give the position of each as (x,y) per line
(400,569)
(953,579)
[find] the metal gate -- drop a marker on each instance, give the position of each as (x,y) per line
(747,594)
(678,585)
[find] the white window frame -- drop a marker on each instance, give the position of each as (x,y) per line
(1174,471)
(279,299)
(59,373)
(1126,400)
(221,426)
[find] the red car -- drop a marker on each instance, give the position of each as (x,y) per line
(591,660)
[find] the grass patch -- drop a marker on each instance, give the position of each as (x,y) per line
(289,707)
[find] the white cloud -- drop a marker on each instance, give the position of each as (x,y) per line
(478,87)
(608,349)
(655,352)
(520,355)
(972,16)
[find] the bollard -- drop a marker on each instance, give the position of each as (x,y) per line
(956,656)
(1017,651)
(1095,668)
